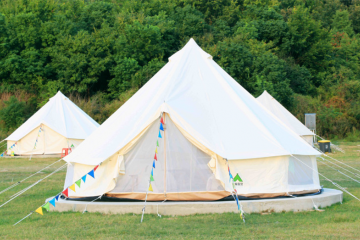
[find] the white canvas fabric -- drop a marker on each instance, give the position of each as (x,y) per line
(64,124)
(208,108)
(207,103)
(271,104)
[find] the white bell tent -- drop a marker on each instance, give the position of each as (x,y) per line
(210,122)
(271,104)
(58,124)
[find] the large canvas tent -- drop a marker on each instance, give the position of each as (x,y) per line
(210,121)
(58,124)
(271,104)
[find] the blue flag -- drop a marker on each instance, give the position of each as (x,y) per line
(161,127)
(52,201)
(154,164)
(237,202)
(84,178)
(160,135)
(152,172)
(57,197)
(91,173)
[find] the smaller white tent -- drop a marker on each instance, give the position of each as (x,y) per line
(289,120)
(58,124)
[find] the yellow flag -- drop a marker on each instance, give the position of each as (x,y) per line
(72,187)
(39,211)
(150,188)
(156,150)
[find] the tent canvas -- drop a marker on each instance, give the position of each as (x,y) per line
(210,121)
(279,111)
(58,124)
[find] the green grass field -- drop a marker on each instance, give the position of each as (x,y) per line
(337,221)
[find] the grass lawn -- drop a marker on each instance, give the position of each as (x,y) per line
(337,221)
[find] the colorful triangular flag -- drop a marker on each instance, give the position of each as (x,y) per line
(47,206)
(161,127)
(78,182)
(151,178)
(72,187)
(96,168)
(157,143)
(155,157)
(152,172)
(156,150)
(39,211)
(66,192)
(154,164)
(237,202)
(91,173)
(150,188)
(52,201)
(84,178)
(72,145)
(57,197)
(160,135)
(162,120)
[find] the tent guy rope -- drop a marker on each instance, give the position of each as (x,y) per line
(341,172)
(15,184)
(32,185)
(324,159)
(334,183)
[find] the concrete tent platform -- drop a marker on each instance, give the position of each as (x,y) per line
(325,199)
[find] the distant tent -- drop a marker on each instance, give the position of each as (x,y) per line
(210,121)
(58,124)
(271,104)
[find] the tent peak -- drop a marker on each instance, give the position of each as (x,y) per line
(190,47)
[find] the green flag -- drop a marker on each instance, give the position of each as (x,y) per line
(157,143)
(47,206)
(78,182)
(151,178)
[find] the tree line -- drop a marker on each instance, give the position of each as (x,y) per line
(303,52)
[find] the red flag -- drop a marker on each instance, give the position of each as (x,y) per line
(162,120)
(65,192)
(96,168)
(155,157)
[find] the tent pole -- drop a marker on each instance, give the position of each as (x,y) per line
(164,156)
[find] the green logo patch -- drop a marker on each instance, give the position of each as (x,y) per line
(238,181)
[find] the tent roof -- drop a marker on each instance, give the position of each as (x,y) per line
(62,116)
(203,100)
(270,103)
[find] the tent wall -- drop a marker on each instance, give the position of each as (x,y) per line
(49,142)
(275,176)
(191,174)
(309,139)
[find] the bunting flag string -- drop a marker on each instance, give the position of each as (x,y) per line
(37,138)
(9,149)
(65,193)
(151,179)
(231,180)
